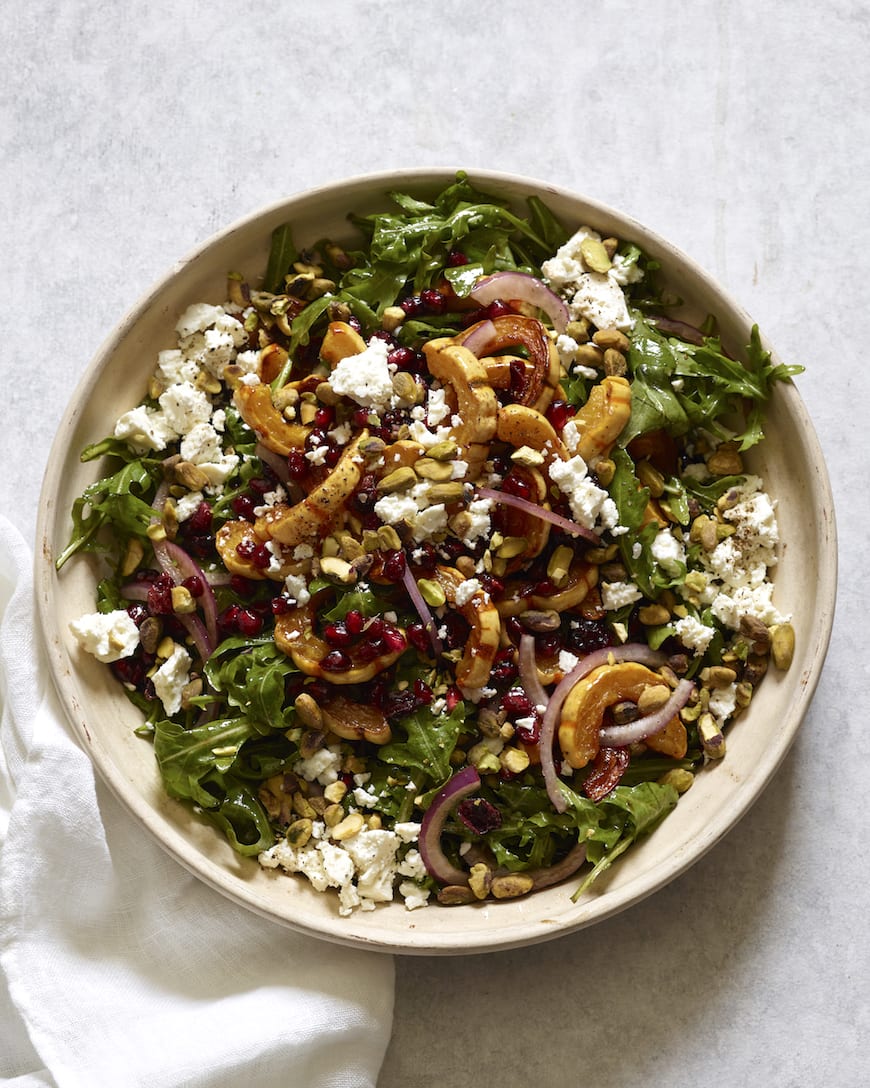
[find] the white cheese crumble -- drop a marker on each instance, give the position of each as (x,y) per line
(171,679)
(365,377)
(616,595)
(109,636)
(466,590)
(597,296)
(591,505)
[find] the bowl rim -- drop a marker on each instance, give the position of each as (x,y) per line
(338,930)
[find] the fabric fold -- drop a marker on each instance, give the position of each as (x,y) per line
(122,966)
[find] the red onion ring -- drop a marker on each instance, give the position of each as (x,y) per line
(478,339)
(631,651)
(618,736)
(410,584)
(437,864)
(526,288)
(539,512)
(554,874)
(679,329)
(528,668)
(178,564)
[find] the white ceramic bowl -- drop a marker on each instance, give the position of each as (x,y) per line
(790,461)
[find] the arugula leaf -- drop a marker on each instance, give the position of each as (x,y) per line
(189,758)
(430,741)
(251,674)
(243,820)
(282,254)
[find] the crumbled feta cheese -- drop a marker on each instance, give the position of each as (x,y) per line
(413,508)
(597,296)
(693,634)
(323,766)
(723,703)
(365,377)
(296,588)
(437,408)
(171,679)
(668,552)
(197,318)
(184,406)
(591,505)
(173,366)
(202,447)
(144,429)
(479,523)
(109,636)
(187,505)
(616,595)
(466,590)
(567,661)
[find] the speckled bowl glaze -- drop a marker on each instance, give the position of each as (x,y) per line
(790,461)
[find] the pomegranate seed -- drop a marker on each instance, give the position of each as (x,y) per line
(249,623)
(333,456)
(258,554)
(456,258)
(498,308)
(433,300)
(412,305)
(324,417)
(367,650)
(228,619)
(243,507)
(426,556)
(259,485)
(394,640)
(452,698)
(280,605)
(401,358)
(137,613)
(493,586)
(355,621)
(423,692)
(336,635)
(516,485)
(394,566)
(549,645)
(361,418)
(376,628)
(160,599)
(297,465)
(335,661)
(514,629)
(516,702)
(194,585)
(559,413)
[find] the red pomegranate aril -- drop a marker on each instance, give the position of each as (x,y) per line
(529,734)
(257,554)
(498,308)
(456,258)
(280,605)
(412,305)
(515,485)
(355,621)
(423,692)
(452,698)
(433,300)
(336,661)
(559,413)
(402,358)
(249,623)
(297,464)
(228,619)
(194,585)
(244,587)
(333,456)
(394,640)
(324,417)
(493,586)
(367,650)
(336,635)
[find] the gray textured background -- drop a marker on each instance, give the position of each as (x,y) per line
(738,130)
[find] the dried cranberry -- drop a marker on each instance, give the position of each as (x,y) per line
(498,308)
(516,702)
(243,507)
(531,733)
(160,598)
(586,635)
(478,815)
(426,556)
(418,637)
(423,692)
(456,631)
(514,629)
(200,520)
(137,612)
(400,704)
(493,586)
(504,667)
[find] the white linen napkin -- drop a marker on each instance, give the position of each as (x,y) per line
(116,965)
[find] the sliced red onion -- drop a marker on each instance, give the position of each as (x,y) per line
(410,584)
(679,329)
(480,336)
(618,736)
(138,591)
(437,864)
(275,461)
(631,651)
(528,668)
(179,565)
(554,874)
(539,512)
(526,288)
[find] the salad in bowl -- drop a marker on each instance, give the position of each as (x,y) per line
(434,557)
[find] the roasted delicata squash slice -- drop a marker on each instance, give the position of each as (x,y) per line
(475,666)
(258,410)
(602,418)
(295,636)
(476,403)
